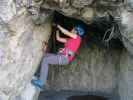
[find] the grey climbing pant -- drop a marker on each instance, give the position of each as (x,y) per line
(54,59)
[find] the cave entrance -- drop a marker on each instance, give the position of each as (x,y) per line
(97,31)
(102,31)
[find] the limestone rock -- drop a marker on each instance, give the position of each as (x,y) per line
(29,93)
(87,14)
(93,70)
(75,8)
(18,50)
(125,77)
(127,31)
(7,9)
(70,11)
(21,43)
(81,3)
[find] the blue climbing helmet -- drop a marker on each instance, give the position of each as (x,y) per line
(79,29)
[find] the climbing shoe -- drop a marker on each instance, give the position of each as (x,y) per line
(38,83)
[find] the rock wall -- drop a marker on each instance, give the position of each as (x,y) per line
(84,76)
(126,76)
(93,70)
(127,31)
(96,70)
(21,42)
(83,9)
(126,83)
(7,9)
(20,48)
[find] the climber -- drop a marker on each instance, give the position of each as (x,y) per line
(64,56)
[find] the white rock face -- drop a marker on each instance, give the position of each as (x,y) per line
(30,93)
(7,9)
(20,52)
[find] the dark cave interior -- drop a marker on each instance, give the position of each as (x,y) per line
(97,32)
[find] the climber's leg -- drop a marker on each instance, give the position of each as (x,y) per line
(55,59)
(51,59)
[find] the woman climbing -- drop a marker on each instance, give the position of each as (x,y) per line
(64,56)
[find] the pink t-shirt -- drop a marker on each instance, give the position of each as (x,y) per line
(73,45)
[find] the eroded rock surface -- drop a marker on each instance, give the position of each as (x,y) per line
(20,48)
(21,42)
(93,70)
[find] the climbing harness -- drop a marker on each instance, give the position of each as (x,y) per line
(67,52)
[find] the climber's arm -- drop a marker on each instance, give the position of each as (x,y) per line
(60,39)
(66,32)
